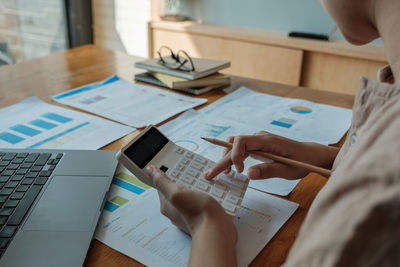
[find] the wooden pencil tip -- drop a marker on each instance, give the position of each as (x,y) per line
(204,138)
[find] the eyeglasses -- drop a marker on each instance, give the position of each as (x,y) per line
(175,61)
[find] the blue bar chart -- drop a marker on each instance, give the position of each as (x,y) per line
(110,206)
(32,123)
(56,117)
(125,187)
(283,122)
(20,132)
(128,186)
(213,130)
(25,130)
(54,137)
(114,203)
(43,124)
(11,138)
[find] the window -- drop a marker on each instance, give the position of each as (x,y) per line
(31,28)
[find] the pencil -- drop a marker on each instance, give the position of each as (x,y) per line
(256,211)
(280,159)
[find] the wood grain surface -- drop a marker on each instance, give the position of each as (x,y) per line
(59,72)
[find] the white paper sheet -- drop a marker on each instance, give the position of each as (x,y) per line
(187,130)
(129,103)
(132,224)
(245,112)
(296,119)
(258,221)
(33,123)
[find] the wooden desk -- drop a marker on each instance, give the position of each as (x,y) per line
(53,74)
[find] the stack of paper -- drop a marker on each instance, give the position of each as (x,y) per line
(33,123)
(132,224)
(132,104)
(245,112)
(293,118)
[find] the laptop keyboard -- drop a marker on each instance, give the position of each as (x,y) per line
(22,176)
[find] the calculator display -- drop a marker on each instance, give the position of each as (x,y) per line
(146,147)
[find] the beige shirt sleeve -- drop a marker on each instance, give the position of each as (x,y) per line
(355,219)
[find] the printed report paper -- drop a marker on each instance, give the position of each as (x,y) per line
(292,118)
(187,130)
(126,102)
(132,224)
(33,123)
(245,112)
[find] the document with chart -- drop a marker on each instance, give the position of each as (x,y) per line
(293,118)
(33,123)
(132,224)
(129,103)
(187,130)
(245,112)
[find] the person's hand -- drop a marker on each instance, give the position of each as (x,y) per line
(242,146)
(186,208)
(198,214)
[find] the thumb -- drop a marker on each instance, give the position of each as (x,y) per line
(161,181)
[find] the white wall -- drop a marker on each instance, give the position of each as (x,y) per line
(271,15)
(122,25)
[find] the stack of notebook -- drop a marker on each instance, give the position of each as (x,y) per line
(204,78)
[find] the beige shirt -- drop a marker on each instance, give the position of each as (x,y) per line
(355,219)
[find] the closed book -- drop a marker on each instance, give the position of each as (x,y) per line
(147,77)
(200,90)
(203,67)
(181,83)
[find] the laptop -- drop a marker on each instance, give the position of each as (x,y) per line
(50,202)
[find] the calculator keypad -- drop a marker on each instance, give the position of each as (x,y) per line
(227,189)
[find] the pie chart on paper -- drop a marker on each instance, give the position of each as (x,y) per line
(301,109)
(188,144)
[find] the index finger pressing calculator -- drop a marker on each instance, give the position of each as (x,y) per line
(183,167)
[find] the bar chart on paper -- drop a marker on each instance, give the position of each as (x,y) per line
(296,119)
(32,123)
(186,131)
(139,230)
(125,187)
(136,228)
(115,203)
(19,132)
(283,122)
(131,220)
(115,98)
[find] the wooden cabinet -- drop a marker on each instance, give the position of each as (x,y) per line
(337,73)
(332,66)
(248,59)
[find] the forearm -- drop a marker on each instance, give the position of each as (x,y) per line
(212,245)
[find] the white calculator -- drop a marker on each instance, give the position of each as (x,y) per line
(183,167)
